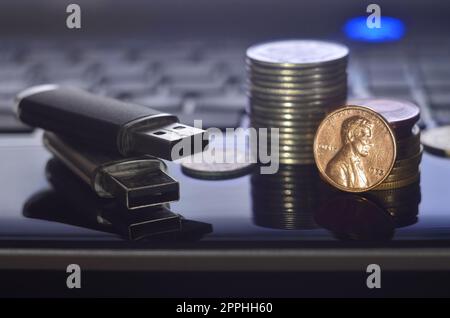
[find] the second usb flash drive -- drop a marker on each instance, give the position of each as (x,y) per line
(135,182)
(107,123)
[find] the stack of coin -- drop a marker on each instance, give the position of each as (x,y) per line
(291,86)
(402,116)
(286,199)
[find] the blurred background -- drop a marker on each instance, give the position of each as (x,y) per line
(187,57)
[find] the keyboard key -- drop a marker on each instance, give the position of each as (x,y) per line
(124,71)
(387,77)
(442,117)
(392,91)
(6,103)
(9,90)
(388,83)
(163,55)
(183,71)
(105,55)
(224,54)
(170,104)
(221,120)
(435,83)
(434,64)
(10,124)
(12,71)
(439,99)
(62,71)
(53,56)
(234,68)
(197,88)
(124,90)
(222,102)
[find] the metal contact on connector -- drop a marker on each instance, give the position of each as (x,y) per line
(171,142)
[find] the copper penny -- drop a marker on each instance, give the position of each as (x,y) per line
(355,148)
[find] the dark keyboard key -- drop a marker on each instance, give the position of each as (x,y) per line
(225,54)
(63,71)
(162,55)
(44,57)
(442,117)
(382,71)
(12,71)
(6,103)
(222,102)
(234,68)
(126,89)
(187,71)
(197,88)
(439,99)
(104,55)
(433,64)
(387,77)
(436,79)
(402,92)
(388,83)
(124,71)
(435,82)
(170,104)
(9,89)
(10,124)
(221,120)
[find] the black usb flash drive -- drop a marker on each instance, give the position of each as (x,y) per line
(107,123)
(136,182)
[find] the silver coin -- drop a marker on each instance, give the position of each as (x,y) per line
(311,84)
(295,53)
(288,130)
(293,106)
(298,74)
(299,122)
(303,116)
(324,97)
(215,168)
(327,90)
(298,79)
(294,138)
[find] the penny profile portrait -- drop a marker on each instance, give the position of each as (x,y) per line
(347,166)
(354,148)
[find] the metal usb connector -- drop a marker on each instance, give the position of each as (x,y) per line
(164,141)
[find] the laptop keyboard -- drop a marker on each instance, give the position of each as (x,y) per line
(207,82)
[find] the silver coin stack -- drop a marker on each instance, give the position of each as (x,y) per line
(291,85)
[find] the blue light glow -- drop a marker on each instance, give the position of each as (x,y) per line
(392,29)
